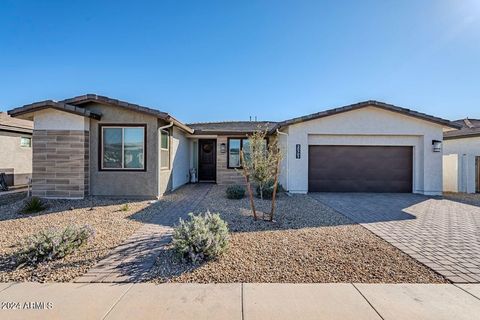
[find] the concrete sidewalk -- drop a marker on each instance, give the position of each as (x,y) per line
(239,301)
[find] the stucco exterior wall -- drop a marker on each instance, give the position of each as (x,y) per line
(164,175)
(283,145)
(142,184)
(180,158)
(194,156)
(466,149)
(51,119)
(150,183)
(368,126)
(15,160)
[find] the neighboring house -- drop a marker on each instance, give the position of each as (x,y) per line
(461,161)
(15,149)
(101,146)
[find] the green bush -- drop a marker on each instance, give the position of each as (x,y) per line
(201,238)
(125,207)
(268,190)
(53,244)
(235,192)
(33,205)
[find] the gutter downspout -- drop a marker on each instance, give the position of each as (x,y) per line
(288,167)
(166,126)
(159,153)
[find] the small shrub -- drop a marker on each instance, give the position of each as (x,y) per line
(125,207)
(33,205)
(268,190)
(235,192)
(53,244)
(201,238)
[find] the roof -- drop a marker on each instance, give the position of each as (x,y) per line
(364,104)
(76,105)
(8,123)
(88,98)
(231,127)
(47,104)
(469,128)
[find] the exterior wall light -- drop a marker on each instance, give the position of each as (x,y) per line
(437,145)
(223,148)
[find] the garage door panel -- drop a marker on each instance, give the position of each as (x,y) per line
(360,169)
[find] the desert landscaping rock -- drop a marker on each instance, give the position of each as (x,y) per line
(111,225)
(8,198)
(308,242)
(468,198)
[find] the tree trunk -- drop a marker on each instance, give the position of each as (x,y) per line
(247,181)
(275,183)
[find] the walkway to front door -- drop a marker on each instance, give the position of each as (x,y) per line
(131,261)
(442,234)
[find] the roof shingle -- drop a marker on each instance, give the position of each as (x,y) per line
(76,105)
(37,106)
(374,103)
(231,127)
(469,128)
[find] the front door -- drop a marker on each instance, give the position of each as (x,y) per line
(207,160)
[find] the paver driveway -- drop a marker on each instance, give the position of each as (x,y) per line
(442,234)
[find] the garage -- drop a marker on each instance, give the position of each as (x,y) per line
(344,168)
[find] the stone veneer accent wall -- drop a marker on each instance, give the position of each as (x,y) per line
(60,163)
(226,176)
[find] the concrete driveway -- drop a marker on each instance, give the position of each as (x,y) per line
(442,234)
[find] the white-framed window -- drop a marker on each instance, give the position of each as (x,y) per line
(26,142)
(122,147)
(164,149)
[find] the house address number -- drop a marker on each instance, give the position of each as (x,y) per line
(298,151)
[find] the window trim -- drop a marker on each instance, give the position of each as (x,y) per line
(122,126)
(241,147)
(165,149)
(29,138)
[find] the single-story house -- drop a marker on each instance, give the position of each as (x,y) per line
(461,160)
(95,145)
(15,149)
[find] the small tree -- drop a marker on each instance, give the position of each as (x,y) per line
(262,165)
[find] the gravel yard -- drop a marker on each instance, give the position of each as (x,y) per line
(308,242)
(7,198)
(111,224)
(468,198)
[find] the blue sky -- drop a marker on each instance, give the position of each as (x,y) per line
(228,60)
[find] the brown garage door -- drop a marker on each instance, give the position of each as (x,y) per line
(360,169)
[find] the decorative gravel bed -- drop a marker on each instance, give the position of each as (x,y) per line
(468,198)
(7,198)
(111,224)
(308,242)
